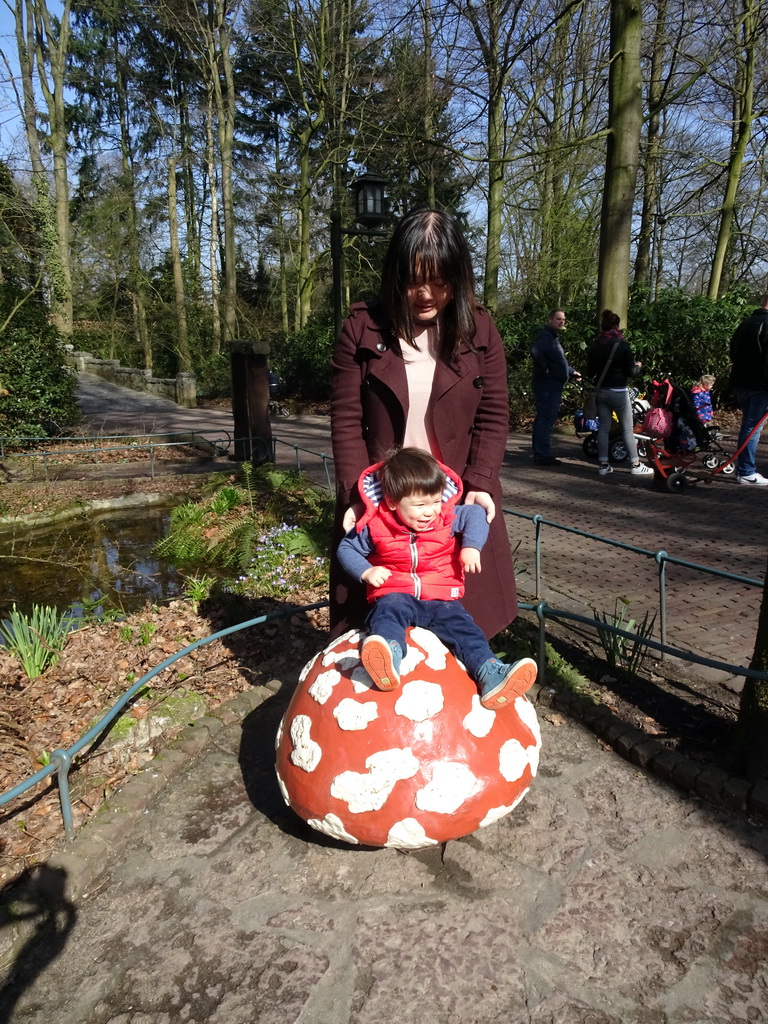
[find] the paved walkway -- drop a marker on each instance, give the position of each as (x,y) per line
(606,897)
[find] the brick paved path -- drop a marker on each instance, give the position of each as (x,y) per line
(721,525)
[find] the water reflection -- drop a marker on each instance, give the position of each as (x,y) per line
(99,556)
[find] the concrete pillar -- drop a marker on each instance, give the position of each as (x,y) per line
(186,390)
(250,400)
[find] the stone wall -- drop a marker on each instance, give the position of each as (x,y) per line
(181,389)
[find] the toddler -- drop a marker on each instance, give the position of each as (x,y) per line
(411,547)
(702,399)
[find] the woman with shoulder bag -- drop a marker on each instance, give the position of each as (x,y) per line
(424,367)
(610,362)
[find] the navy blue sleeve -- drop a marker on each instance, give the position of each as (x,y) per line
(470,523)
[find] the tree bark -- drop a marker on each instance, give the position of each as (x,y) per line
(752,725)
(625,115)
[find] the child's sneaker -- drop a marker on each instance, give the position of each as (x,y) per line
(501,683)
(381,660)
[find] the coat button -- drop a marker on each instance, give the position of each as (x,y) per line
(381,346)
(478,382)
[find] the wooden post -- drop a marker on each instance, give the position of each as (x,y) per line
(250,401)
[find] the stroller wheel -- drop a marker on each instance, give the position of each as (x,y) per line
(589,446)
(618,451)
(711,461)
(677,482)
(728,468)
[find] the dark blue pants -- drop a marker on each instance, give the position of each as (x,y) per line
(547,395)
(448,620)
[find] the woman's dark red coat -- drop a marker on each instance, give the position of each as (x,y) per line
(469,403)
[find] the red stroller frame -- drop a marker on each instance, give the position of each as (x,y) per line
(679,468)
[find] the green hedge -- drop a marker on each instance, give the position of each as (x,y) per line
(40,398)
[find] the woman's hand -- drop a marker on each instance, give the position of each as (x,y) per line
(351,516)
(485,501)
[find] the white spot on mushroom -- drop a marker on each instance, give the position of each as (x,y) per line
(352,716)
(412,658)
(369,791)
(408,834)
(343,652)
(436,649)
(322,688)
(333,826)
(479,721)
(306,753)
(420,700)
(527,715)
(513,760)
(283,789)
(280,731)
(451,784)
(498,812)
(308,667)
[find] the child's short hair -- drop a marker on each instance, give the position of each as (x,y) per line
(706,380)
(410,471)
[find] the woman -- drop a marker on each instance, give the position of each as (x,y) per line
(610,363)
(424,367)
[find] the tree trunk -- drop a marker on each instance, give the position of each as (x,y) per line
(213,248)
(742,129)
(179,297)
(625,115)
(652,153)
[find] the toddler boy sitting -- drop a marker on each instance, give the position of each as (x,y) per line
(411,547)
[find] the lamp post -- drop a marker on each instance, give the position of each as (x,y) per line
(370,211)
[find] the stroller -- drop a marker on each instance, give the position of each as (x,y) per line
(676,444)
(617,450)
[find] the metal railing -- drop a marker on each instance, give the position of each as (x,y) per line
(61,760)
(661,557)
(218,443)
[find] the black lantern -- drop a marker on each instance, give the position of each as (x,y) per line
(368,191)
(370,211)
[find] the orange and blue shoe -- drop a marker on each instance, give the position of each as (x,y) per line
(381,660)
(500,683)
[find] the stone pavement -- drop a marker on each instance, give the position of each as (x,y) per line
(606,897)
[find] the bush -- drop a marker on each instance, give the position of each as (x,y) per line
(40,397)
(303,360)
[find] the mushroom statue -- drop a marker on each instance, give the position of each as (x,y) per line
(406,768)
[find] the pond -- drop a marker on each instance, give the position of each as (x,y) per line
(97,561)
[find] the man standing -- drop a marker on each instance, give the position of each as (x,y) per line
(749,376)
(551,370)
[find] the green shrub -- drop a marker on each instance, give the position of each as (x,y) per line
(303,360)
(40,397)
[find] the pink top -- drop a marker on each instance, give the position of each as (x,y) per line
(420,372)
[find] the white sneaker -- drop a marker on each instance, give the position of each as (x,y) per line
(757,480)
(642,470)
(605,470)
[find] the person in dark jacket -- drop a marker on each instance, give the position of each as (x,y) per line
(551,370)
(749,376)
(610,349)
(425,368)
